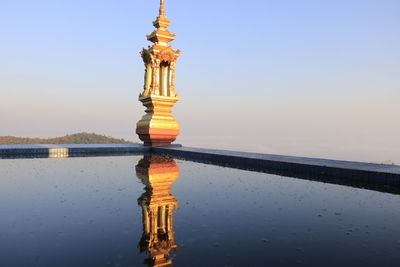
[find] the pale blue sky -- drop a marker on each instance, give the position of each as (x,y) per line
(256,67)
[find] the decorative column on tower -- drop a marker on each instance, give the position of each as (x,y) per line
(157,173)
(158,127)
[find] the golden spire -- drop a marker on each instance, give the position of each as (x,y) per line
(158,127)
(162,10)
(161,35)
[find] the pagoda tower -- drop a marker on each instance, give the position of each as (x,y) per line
(158,127)
(157,173)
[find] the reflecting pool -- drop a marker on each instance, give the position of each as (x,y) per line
(153,210)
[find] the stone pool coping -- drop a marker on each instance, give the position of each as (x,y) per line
(259,158)
(246,160)
(378,177)
(67,149)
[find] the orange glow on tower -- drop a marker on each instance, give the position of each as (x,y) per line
(158,127)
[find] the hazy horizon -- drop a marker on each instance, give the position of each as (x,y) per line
(306,78)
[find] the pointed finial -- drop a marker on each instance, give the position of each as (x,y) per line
(162,10)
(161,35)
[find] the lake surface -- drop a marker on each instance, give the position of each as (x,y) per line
(155,211)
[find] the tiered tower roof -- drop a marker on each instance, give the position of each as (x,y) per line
(161,36)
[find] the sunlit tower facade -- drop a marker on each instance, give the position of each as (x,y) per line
(157,127)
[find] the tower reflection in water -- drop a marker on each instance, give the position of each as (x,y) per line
(157,173)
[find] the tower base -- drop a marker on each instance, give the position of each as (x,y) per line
(157,127)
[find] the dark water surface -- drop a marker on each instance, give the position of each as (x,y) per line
(119,211)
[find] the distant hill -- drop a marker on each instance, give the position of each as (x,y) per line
(78,138)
